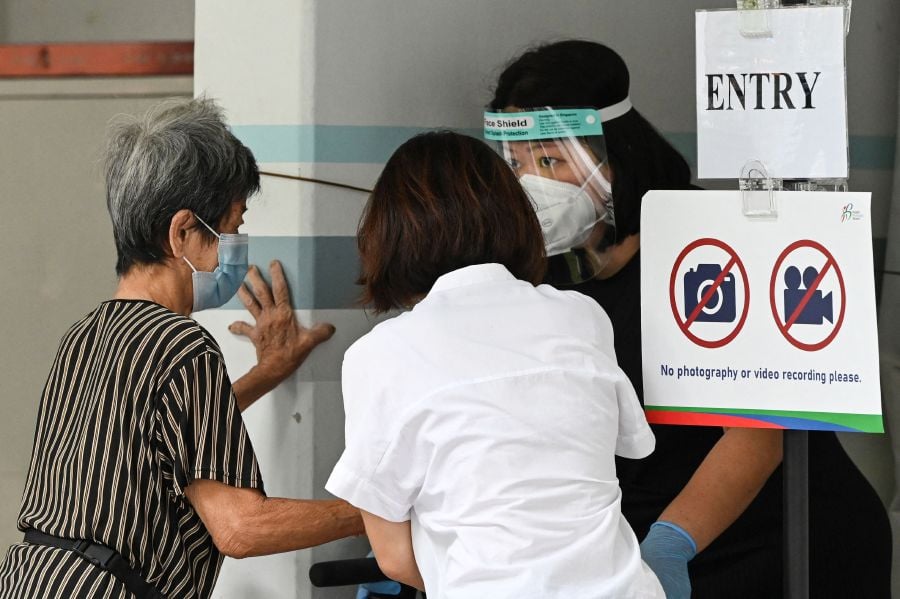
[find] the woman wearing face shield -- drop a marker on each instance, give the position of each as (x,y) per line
(142,475)
(708,501)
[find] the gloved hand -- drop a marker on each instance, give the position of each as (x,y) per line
(667,549)
(386,587)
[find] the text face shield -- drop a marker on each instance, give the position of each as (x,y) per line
(560,159)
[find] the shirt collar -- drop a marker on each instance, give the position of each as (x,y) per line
(472,275)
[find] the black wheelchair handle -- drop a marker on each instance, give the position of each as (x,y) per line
(345,572)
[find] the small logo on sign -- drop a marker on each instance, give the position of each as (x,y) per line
(848,213)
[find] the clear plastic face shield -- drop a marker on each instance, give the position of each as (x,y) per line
(560,159)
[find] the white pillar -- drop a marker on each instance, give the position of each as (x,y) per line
(258,61)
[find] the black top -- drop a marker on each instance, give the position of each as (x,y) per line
(648,485)
(849,530)
(137,405)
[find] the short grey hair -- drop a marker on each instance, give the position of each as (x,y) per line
(179,155)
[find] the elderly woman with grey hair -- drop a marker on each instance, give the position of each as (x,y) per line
(142,474)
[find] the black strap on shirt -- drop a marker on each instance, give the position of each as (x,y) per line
(101,556)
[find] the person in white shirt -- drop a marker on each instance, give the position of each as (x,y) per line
(481,425)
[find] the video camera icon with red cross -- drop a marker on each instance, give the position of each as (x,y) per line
(819,307)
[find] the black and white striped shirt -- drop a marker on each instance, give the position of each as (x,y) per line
(137,405)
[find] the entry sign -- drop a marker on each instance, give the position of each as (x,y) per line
(780,99)
(759,323)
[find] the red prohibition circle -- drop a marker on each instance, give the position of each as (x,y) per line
(840,277)
(681,323)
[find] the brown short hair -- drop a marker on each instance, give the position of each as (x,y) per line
(444,201)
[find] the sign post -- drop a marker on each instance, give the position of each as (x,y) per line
(771,105)
(796,514)
(821,152)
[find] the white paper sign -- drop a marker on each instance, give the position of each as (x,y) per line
(780,99)
(759,323)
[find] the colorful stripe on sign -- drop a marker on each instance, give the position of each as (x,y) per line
(778,419)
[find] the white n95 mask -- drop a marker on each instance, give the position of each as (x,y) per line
(566,212)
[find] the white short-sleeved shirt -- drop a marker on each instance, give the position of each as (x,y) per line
(489,416)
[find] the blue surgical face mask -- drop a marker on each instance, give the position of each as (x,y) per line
(214,289)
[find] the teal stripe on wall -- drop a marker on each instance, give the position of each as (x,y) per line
(370,144)
(874,152)
(686,143)
(322,271)
(327,143)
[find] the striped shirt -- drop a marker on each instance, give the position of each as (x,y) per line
(137,405)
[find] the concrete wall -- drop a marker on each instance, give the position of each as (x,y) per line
(54,230)
(56,237)
(32,21)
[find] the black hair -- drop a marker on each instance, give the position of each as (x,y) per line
(583,73)
(444,201)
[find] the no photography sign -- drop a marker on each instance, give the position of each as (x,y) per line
(755,323)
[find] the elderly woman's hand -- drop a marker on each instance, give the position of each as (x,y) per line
(282,343)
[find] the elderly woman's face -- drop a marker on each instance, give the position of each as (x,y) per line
(206,249)
(234,218)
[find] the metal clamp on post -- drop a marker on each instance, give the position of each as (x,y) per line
(846,4)
(754,17)
(758,191)
(816,184)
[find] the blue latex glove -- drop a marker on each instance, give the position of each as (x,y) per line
(386,587)
(667,549)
